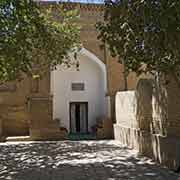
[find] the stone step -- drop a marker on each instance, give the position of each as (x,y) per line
(18,139)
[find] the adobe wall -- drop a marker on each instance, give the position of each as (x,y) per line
(148,120)
(14,109)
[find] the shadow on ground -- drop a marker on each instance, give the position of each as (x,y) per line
(71,160)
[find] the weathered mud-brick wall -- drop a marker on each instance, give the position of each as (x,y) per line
(148,120)
(133,117)
(13,103)
(13,112)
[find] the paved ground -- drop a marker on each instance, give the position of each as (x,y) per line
(83,160)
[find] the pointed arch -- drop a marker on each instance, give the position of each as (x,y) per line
(95,59)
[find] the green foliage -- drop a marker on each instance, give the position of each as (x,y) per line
(144,33)
(32,41)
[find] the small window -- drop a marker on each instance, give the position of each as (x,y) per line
(77,86)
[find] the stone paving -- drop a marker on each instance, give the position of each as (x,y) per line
(76,160)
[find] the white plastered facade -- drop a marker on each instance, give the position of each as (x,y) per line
(92,72)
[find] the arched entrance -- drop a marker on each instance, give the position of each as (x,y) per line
(79,97)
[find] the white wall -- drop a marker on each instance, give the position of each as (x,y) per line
(93,75)
(126,107)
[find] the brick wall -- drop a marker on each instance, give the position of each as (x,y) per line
(13,104)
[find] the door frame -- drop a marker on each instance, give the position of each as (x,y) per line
(79,102)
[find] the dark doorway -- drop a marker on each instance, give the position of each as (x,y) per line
(78,117)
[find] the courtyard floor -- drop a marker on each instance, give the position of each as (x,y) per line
(76,160)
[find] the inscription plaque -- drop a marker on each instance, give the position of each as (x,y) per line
(77,86)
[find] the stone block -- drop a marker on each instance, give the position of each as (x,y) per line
(42,125)
(15,121)
(106,129)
